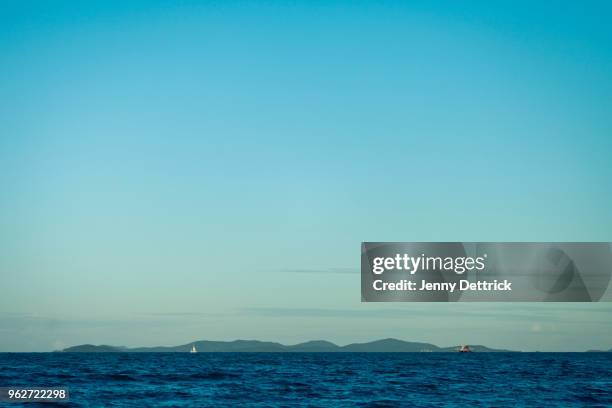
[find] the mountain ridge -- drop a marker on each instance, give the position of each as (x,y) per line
(388,345)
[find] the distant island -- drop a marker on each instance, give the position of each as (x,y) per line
(600,351)
(255,346)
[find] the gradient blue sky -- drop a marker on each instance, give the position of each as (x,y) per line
(174,171)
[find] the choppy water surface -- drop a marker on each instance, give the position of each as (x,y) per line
(305,379)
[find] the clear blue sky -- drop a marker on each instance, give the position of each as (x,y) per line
(175,171)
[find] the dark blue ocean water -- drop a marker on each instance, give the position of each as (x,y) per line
(305,379)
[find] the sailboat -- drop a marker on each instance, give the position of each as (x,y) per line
(193,349)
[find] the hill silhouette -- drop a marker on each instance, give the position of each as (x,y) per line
(256,346)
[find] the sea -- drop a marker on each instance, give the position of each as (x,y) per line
(315,379)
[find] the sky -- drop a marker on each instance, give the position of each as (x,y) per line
(173,171)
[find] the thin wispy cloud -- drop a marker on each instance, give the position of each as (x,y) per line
(184,314)
(322,270)
(515,313)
